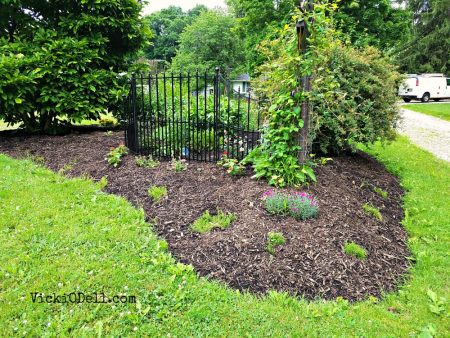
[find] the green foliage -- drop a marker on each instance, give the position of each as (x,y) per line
(167,25)
(107,121)
(256,21)
(103,182)
(300,205)
(114,157)
(355,250)
(64,65)
(157,193)
(274,239)
(381,192)
(209,42)
(428,49)
(233,166)
(374,22)
(178,165)
(437,304)
(207,222)
(146,162)
(373,211)
(353,98)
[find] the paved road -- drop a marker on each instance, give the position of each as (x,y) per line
(428,132)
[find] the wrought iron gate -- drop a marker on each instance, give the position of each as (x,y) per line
(192,116)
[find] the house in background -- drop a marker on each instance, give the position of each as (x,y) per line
(241,84)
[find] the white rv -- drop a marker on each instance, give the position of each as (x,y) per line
(425,87)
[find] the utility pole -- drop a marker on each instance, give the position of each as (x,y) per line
(305,81)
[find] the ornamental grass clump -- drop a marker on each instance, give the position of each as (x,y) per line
(299,205)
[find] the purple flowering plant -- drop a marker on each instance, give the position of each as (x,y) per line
(299,205)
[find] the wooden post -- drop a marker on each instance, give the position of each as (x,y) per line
(304,82)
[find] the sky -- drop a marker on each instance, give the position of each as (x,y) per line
(156,5)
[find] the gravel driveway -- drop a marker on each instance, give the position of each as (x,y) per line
(428,132)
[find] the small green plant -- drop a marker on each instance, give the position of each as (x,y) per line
(274,239)
(178,165)
(355,250)
(108,133)
(103,182)
(157,193)
(67,167)
(114,157)
(299,205)
(381,192)
(146,162)
(207,222)
(232,166)
(373,211)
(107,121)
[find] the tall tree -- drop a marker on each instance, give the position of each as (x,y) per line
(208,43)
(429,48)
(167,25)
(257,20)
(374,22)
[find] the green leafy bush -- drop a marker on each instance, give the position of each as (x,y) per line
(63,67)
(274,239)
(299,205)
(114,157)
(207,222)
(361,107)
(157,193)
(355,250)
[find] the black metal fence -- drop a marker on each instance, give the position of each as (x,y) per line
(193,116)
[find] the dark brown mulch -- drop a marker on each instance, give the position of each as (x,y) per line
(311,263)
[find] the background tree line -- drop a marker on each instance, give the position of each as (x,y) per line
(414,33)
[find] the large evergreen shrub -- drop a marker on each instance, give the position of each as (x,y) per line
(59,62)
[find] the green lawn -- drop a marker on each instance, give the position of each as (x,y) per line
(440,110)
(60,236)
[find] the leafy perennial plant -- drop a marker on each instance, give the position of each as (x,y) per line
(114,157)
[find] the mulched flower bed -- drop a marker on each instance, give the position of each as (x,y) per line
(311,263)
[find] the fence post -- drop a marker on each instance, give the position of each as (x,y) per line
(305,82)
(216,114)
(135,123)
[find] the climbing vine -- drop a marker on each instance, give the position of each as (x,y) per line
(352,98)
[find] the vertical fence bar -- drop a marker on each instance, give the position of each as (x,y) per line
(228,136)
(134,94)
(205,121)
(238,123)
(150,119)
(216,109)
(126,118)
(166,127)
(181,144)
(188,147)
(141,116)
(174,133)
(158,111)
(197,126)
